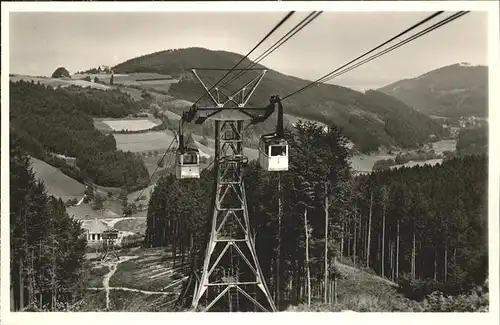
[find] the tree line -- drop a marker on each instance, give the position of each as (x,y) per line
(50,120)
(473,141)
(46,246)
(425,227)
(411,225)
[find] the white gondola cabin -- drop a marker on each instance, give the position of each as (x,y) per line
(273,153)
(187,164)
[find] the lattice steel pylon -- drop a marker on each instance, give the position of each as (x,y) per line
(231,274)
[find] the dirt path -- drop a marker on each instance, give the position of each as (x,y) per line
(112,269)
(113,266)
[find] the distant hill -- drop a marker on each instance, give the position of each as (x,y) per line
(370,120)
(452,91)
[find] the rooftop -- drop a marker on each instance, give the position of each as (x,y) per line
(95,226)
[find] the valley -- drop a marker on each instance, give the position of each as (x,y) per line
(118,126)
(133,134)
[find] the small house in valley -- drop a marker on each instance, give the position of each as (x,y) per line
(94,230)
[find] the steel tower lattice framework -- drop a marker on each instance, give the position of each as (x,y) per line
(231,275)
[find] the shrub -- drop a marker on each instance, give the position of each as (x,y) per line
(60,73)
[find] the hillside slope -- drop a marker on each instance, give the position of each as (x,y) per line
(46,121)
(451,91)
(370,120)
(360,291)
(57,183)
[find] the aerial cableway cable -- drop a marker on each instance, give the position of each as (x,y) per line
(297,28)
(246,56)
(395,46)
(363,55)
(174,139)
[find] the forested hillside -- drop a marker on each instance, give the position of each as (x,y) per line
(473,141)
(452,91)
(369,120)
(428,223)
(60,121)
(424,227)
(46,245)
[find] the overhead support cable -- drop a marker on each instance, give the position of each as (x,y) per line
(283,20)
(395,46)
(365,54)
(297,28)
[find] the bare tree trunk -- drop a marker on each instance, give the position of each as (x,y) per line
(174,242)
(342,242)
(54,279)
(21,284)
(369,232)
(435,264)
(413,256)
(446,263)
(354,242)
(348,225)
(278,257)
(334,290)
(306,229)
(391,260)
(326,245)
(31,289)
(397,252)
(383,243)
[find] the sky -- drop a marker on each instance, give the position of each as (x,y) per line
(40,42)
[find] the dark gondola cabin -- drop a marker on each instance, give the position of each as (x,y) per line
(273,153)
(187,164)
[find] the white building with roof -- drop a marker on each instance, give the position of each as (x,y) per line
(94,230)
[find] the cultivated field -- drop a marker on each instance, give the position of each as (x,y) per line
(133,224)
(171,115)
(209,150)
(155,140)
(177,104)
(130,125)
(54,82)
(366,162)
(445,145)
(155,81)
(57,183)
(145,194)
(84,211)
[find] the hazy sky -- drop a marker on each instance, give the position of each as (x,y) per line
(41,42)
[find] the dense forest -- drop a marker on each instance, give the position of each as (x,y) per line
(473,141)
(60,121)
(423,227)
(370,120)
(46,246)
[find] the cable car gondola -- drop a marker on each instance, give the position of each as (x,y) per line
(187,163)
(273,148)
(187,160)
(273,153)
